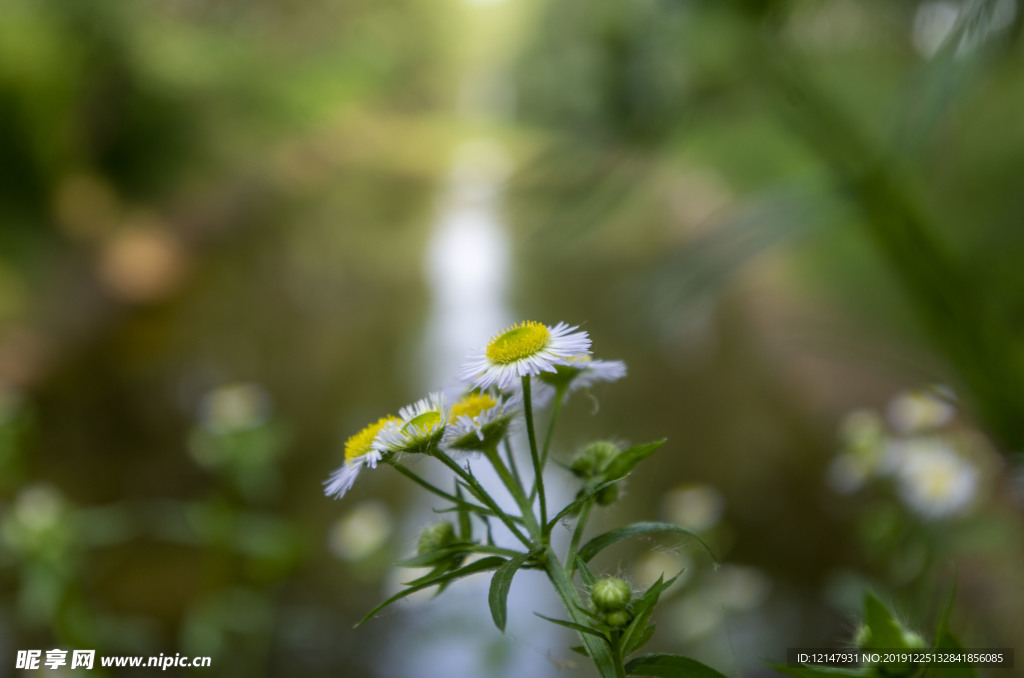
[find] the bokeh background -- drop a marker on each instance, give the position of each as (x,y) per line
(232,233)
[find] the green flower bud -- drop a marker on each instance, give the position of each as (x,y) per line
(435,537)
(583,465)
(594,458)
(610,595)
(619,618)
(603,452)
(608,495)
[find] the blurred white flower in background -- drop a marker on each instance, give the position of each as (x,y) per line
(695,507)
(234,407)
(934,480)
(922,410)
(361,532)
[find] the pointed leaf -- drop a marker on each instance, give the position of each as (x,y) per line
(601,542)
(572,625)
(497,597)
(636,642)
(885,630)
(626,460)
(642,609)
(482,565)
(670,666)
(580,649)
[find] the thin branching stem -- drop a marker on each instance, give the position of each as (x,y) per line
(537,466)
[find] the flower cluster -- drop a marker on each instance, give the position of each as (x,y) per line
(491,401)
(932,463)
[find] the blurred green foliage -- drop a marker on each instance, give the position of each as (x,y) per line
(775,212)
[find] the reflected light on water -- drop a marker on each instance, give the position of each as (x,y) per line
(467,270)
(467,261)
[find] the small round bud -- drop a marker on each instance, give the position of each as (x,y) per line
(603,452)
(594,458)
(435,537)
(608,495)
(610,595)
(618,618)
(583,465)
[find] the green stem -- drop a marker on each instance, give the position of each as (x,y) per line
(577,535)
(491,504)
(555,409)
(516,490)
(598,650)
(537,467)
(512,461)
(408,473)
(496,550)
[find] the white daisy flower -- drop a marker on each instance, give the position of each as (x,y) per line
(359,452)
(934,480)
(583,372)
(522,350)
(574,375)
(418,429)
(479,420)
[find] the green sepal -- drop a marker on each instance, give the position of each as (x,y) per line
(497,596)
(625,461)
(603,541)
(482,565)
(670,666)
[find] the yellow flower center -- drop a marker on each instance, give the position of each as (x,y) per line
(518,342)
(424,422)
(472,405)
(359,444)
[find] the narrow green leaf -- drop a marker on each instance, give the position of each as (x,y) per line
(465,525)
(670,666)
(885,630)
(808,671)
(585,573)
(621,465)
(580,649)
(497,597)
(634,643)
(642,609)
(601,542)
(572,625)
(482,565)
